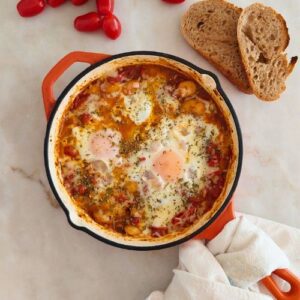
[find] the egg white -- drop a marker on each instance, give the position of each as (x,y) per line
(83,144)
(186,136)
(138,106)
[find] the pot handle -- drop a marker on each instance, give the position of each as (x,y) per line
(293,294)
(216,227)
(59,69)
(285,274)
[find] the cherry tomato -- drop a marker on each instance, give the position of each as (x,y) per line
(88,22)
(78,2)
(111,26)
(55,3)
(174,1)
(29,8)
(105,7)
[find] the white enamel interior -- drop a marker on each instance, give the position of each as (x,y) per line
(61,191)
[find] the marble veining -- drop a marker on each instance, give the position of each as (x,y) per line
(33,178)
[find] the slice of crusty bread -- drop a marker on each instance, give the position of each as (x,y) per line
(262,37)
(209,26)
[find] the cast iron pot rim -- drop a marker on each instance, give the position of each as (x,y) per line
(234,117)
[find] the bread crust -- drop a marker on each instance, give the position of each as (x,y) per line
(266,70)
(224,35)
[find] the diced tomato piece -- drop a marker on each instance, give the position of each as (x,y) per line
(158,231)
(70,151)
(213,161)
(81,189)
(177,219)
(214,155)
(195,200)
(216,182)
(135,220)
(69,178)
(210,148)
(68,181)
(145,189)
(122,198)
(78,101)
(94,180)
(131,72)
(142,158)
(118,78)
(186,217)
(85,118)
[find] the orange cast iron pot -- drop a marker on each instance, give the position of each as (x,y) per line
(209,231)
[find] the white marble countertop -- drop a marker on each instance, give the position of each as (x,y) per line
(41,256)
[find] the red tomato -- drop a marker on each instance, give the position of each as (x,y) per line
(105,7)
(29,8)
(70,151)
(158,231)
(88,22)
(215,185)
(69,178)
(85,118)
(81,189)
(93,180)
(118,78)
(178,218)
(111,26)
(121,198)
(214,155)
(185,217)
(78,101)
(195,200)
(174,1)
(55,3)
(131,72)
(135,220)
(79,2)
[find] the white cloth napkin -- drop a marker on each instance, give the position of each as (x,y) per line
(231,265)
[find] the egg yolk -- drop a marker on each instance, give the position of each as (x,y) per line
(168,165)
(103,146)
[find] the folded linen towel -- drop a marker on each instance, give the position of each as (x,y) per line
(231,265)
